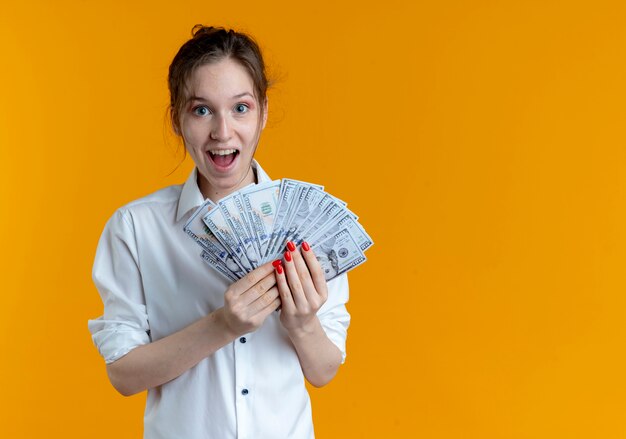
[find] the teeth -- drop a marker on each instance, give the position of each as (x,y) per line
(223,151)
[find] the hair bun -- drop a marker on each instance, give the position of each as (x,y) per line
(201,29)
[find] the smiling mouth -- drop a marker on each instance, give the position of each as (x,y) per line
(223,158)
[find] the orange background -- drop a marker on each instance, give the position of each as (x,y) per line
(482,143)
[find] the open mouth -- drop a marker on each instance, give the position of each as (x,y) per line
(223,158)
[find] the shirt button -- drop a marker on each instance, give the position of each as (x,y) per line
(243,339)
(244,392)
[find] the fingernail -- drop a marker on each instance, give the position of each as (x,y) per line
(305,246)
(279,269)
(288,256)
(277,262)
(291,246)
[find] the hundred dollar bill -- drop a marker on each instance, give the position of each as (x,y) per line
(249,229)
(204,237)
(223,257)
(287,192)
(232,209)
(345,221)
(219,226)
(308,208)
(331,210)
(338,200)
(290,194)
(260,204)
(321,202)
(288,227)
(324,213)
(330,217)
(195,227)
(338,254)
(294,214)
(218,266)
(302,183)
(251,226)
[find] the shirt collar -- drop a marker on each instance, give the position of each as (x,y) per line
(191,197)
(261,176)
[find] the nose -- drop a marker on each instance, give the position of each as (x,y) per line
(220,129)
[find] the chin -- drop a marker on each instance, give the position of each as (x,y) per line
(226,184)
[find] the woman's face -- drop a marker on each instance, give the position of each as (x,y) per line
(220,126)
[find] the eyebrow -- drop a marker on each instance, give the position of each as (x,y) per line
(238,96)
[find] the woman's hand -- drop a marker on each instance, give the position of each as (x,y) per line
(249,301)
(302,289)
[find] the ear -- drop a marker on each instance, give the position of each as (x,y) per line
(175,126)
(265,106)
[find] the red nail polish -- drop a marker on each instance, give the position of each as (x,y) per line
(288,256)
(277,262)
(279,269)
(305,246)
(291,246)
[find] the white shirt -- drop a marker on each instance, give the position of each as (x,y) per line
(153,283)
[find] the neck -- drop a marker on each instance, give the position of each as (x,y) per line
(215,194)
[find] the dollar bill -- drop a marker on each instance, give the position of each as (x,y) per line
(232,209)
(204,237)
(196,228)
(322,201)
(331,210)
(252,226)
(329,218)
(346,221)
(338,254)
(291,181)
(219,226)
(260,203)
(288,227)
(293,214)
(287,194)
(218,266)
(309,208)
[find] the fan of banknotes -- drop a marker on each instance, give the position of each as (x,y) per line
(253,225)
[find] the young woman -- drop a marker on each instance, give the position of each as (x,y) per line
(218,360)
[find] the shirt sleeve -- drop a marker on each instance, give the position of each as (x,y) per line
(116,273)
(334,316)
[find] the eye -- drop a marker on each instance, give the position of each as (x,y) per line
(201,110)
(241,108)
